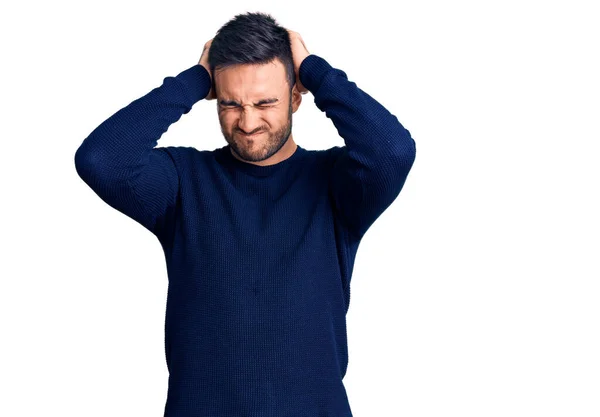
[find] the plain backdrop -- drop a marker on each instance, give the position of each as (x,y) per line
(475,294)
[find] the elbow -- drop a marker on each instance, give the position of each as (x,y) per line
(83,162)
(88,163)
(404,155)
(80,161)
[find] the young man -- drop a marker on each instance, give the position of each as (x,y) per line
(259,236)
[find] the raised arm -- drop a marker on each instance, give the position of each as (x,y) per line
(119,160)
(370,170)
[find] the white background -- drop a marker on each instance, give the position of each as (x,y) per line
(475,294)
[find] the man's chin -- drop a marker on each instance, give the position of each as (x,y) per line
(250,157)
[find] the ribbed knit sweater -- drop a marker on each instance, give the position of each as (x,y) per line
(259,258)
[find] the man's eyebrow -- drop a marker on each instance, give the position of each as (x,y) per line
(235,103)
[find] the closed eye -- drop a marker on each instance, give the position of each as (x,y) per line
(262,103)
(232,106)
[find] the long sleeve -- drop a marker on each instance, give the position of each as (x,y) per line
(370,170)
(119,160)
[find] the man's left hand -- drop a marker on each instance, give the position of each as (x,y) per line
(299,52)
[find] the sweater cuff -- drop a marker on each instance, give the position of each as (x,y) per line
(312,71)
(197,82)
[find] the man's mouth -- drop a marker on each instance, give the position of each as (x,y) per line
(252,136)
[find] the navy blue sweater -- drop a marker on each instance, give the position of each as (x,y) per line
(259,258)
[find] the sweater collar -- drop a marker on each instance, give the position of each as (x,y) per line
(258,170)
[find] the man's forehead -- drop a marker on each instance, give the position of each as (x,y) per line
(254,91)
(252,81)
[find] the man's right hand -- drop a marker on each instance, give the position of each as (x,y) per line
(204,62)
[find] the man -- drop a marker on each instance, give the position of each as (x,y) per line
(259,236)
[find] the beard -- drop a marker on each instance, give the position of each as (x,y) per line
(265,145)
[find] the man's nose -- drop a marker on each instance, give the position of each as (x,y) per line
(249,122)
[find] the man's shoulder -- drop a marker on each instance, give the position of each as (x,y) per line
(332,154)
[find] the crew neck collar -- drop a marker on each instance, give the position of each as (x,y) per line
(258,170)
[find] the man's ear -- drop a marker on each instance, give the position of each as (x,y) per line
(296,98)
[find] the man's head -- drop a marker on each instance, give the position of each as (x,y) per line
(251,63)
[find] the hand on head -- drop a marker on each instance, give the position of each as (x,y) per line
(204,62)
(299,52)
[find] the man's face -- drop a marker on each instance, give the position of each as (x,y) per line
(255,108)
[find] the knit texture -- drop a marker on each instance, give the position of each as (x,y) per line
(259,258)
